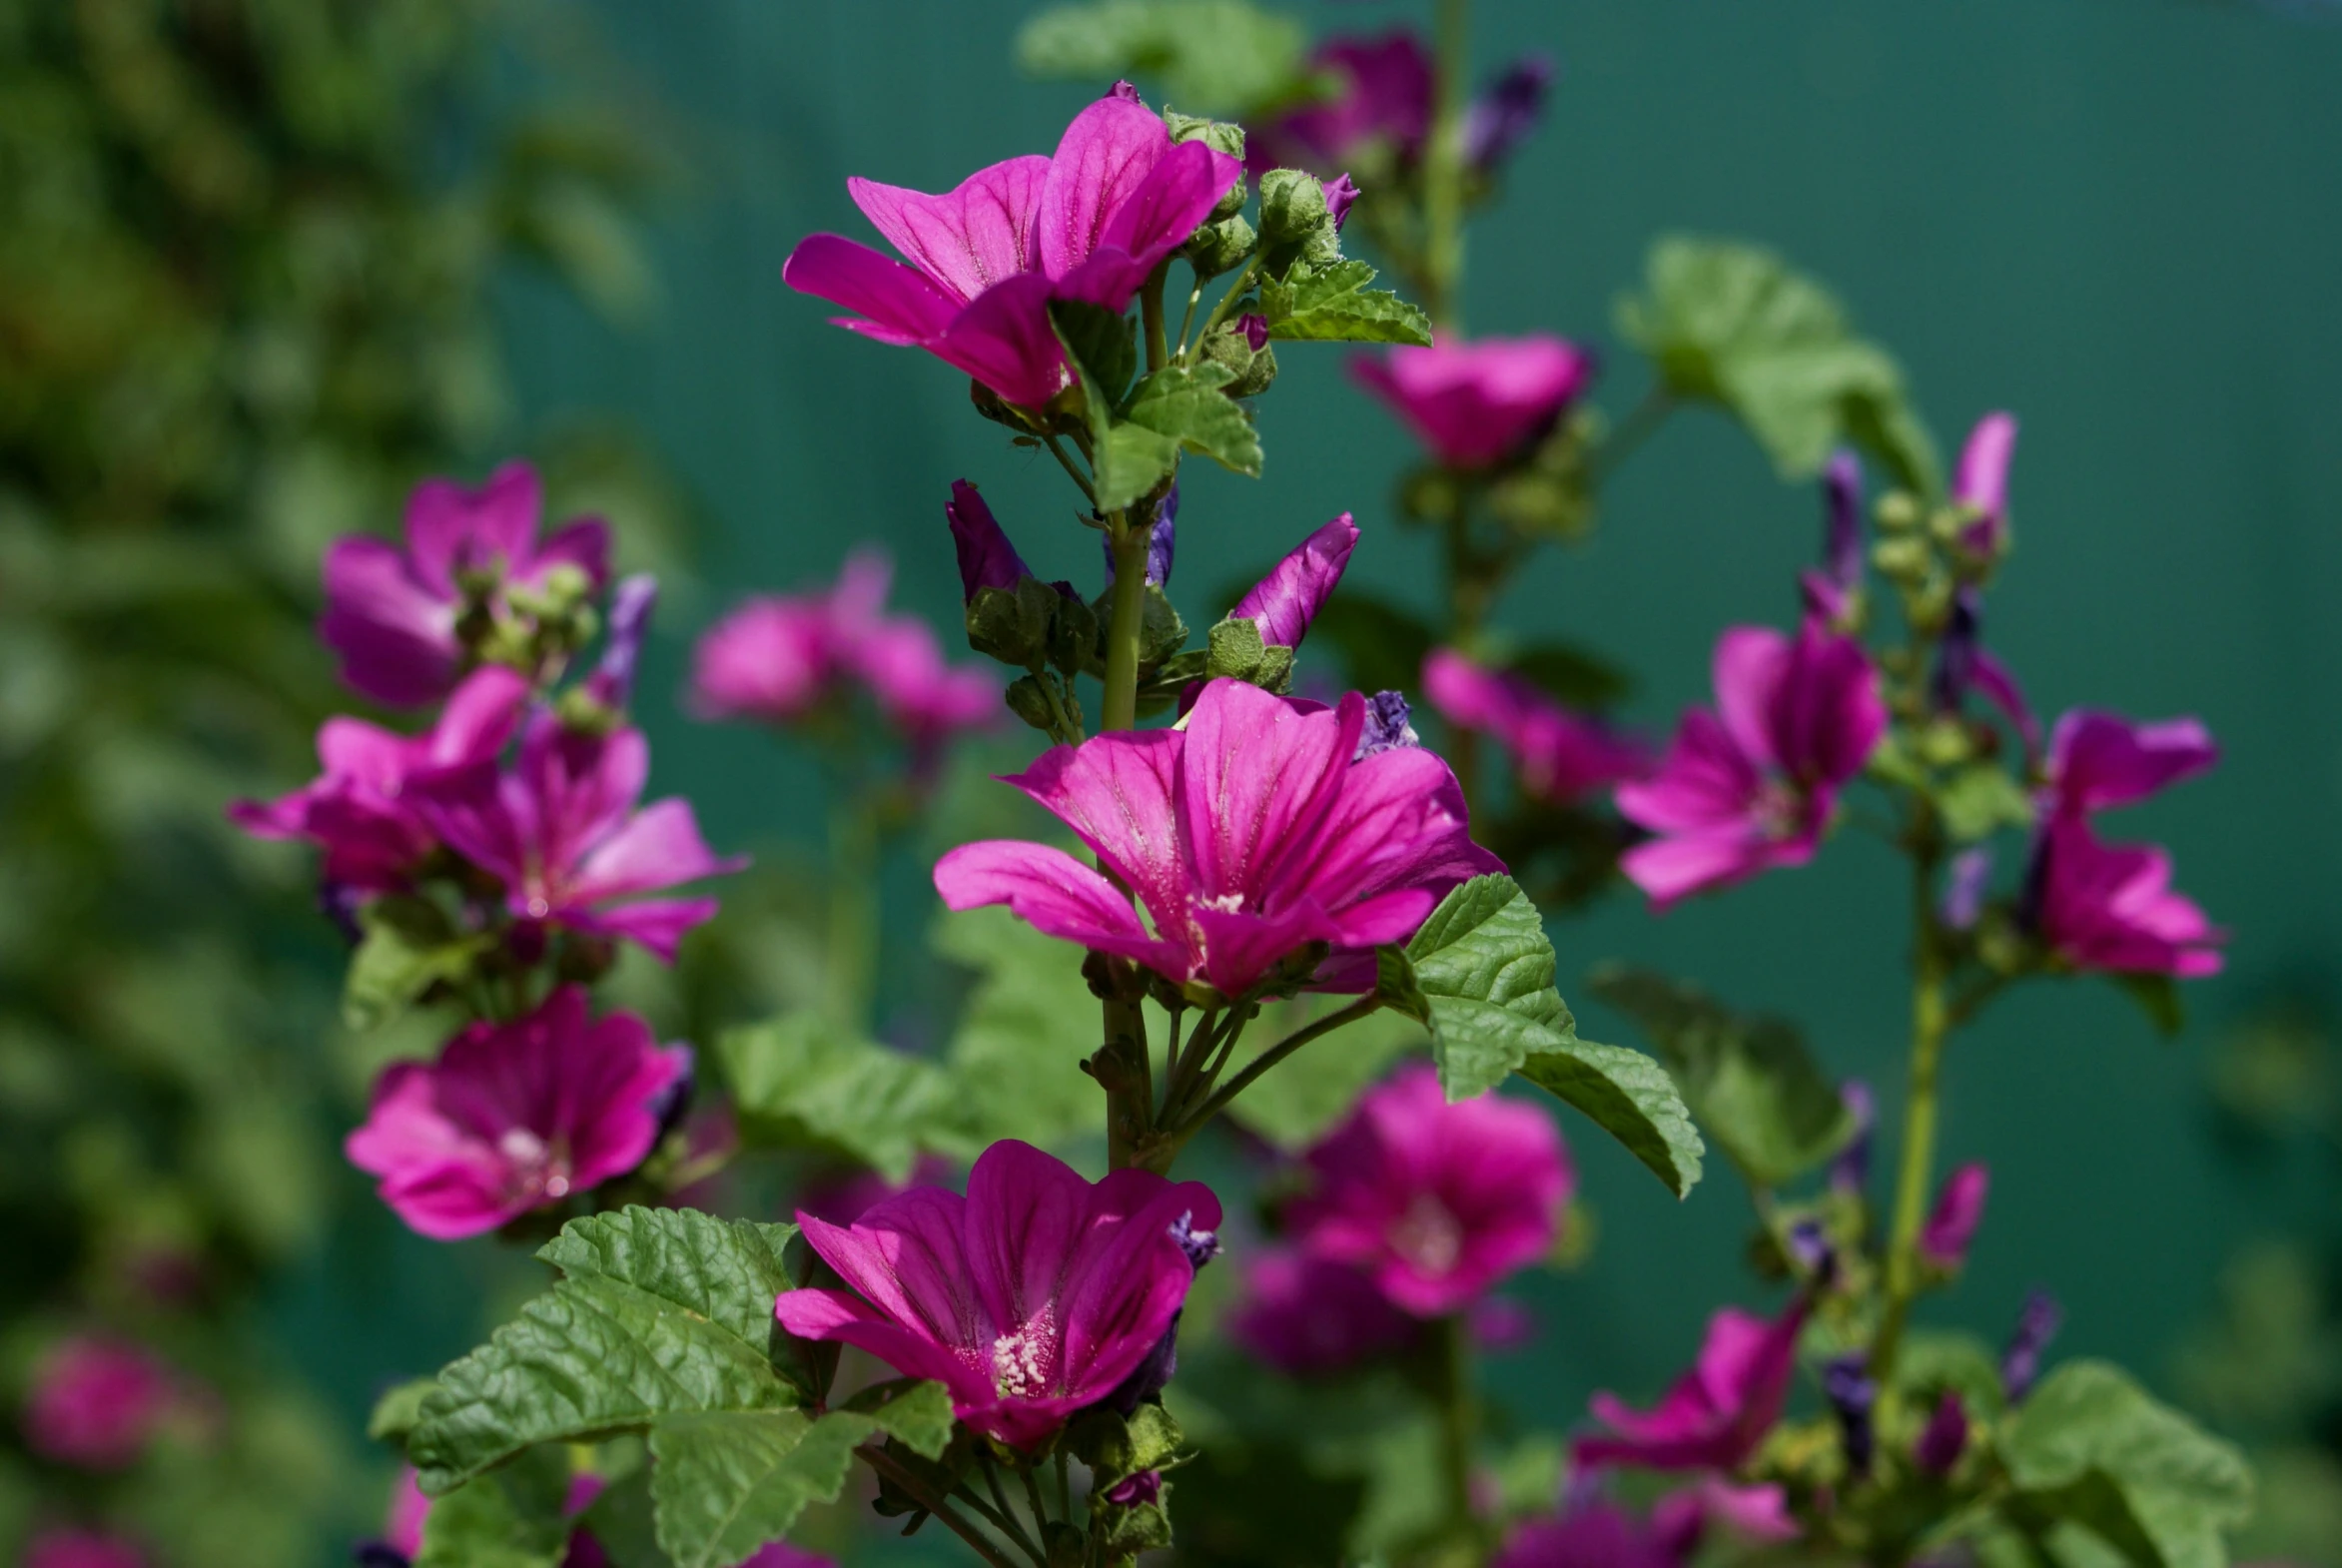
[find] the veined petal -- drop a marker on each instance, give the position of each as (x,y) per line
(450,529)
(1116,791)
(658,847)
(905,1254)
(1004,339)
(1397,822)
(657,925)
(1056,894)
(1025,1218)
(2100,760)
(1256,776)
(973,236)
(1099,163)
(1290,598)
(1705,782)
(902,304)
(1241,945)
(836,1315)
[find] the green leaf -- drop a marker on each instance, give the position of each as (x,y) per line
(1750,1082)
(662,1311)
(395,1411)
(1215,57)
(1299,1103)
(623,1523)
(1979,801)
(1184,404)
(726,1482)
(1732,324)
(917,1412)
(1933,1360)
(407,946)
(1236,649)
(1333,304)
(2158,998)
(1102,343)
(1024,1030)
(511,1519)
(1628,1096)
(1128,462)
(1483,962)
(799,1078)
(2092,1448)
(1396,987)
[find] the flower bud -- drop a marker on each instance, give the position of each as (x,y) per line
(613,683)
(987,558)
(1161,542)
(1253,364)
(1943,1438)
(2037,1324)
(1221,137)
(1029,700)
(1849,1173)
(1012,624)
(1339,197)
(1852,1397)
(1501,118)
(1220,247)
(1293,207)
(1284,602)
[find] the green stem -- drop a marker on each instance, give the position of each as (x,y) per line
(885,1464)
(1642,420)
(1125,1115)
(1443,173)
(1228,301)
(1151,316)
(1930,1025)
(1459,1420)
(1032,1498)
(1187,316)
(1057,449)
(853,913)
(1003,1522)
(1065,1489)
(1267,1059)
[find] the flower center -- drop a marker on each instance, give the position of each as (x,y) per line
(533,1168)
(1780,811)
(1428,1235)
(1223,903)
(1021,1360)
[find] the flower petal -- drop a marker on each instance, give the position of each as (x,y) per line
(1256,775)
(1053,893)
(1099,163)
(1004,339)
(973,236)
(1749,665)
(901,304)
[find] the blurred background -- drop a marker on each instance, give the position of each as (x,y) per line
(265,262)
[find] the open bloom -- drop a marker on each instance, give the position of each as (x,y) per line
(1284,603)
(2100,760)
(1476,404)
(1381,99)
(561,832)
(1246,836)
(1435,1201)
(1751,785)
(1558,755)
(1959,1210)
(1310,1317)
(95,1401)
(513,1116)
(390,614)
(356,810)
(1717,1413)
(1981,481)
(2112,907)
(1032,1297)
(1595,1533)
(985,257)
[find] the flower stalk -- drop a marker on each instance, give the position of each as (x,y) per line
(1931,1027)
(1443,173)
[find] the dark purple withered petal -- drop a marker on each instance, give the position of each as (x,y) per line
(613,683)
(2038,1323)
(1502,117)
(1970,879)
(1162,542)
(1943,1438)
(1852,1396)
(1387,725)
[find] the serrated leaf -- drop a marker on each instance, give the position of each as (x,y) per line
(407,946)
(1333,304)
(1184,404)
(660,1314)
(801,1080)
(1732,325)
(726,1482)
(1749,1081)
(1980,800)
(1396,986)
(915,1411)
(1628,1096)
(2090,1446)
(514,1518)
(1215,57)
(1483,962)
(1129,460)
(1023,1030)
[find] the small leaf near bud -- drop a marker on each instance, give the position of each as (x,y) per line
(1253,368)
(1012,624)
(1029,700)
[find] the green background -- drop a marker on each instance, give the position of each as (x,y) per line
(2117,218)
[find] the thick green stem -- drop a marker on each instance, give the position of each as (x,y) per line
(1931,1023)
(1459,1423)
(1443,173)
(1150,316)
(1126,1110)
(853,912)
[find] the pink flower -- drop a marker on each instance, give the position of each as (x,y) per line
(1284,603)
(1959,1208)
(513,1116)
(1383,97)
(356,811)
(1475,405)
(403,1525)
(1980,483)
(1309,1316)
(1030,1298)
(1087,224)
(390,614)
(1595,1533)
(927,700)
(1435,1201)
(2100,760)
(1246,836)
(2112,906)
(842,1198)
(96,1402)
(1716,1414)
(1751,786)
(561,832)
(1753,1514)
(1832,590)
(1557,754)
(69,1548)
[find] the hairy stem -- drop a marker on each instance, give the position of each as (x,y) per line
(1443,173)
(1057,449)
(1126,1114)
(1930,1021)
(1228,301)
(956,1522)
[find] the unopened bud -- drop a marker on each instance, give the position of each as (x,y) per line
(1898,511)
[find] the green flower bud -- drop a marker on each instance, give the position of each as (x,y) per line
(1221,137)
(1898,511)
(1029,700)
(1254,368)
(1220,247)
(1903,560)
(1293,207)
(1012,624)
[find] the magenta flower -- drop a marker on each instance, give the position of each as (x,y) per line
(1558,755)
(1963,664)
(71,1548)
(390,614)
(1284,603)
(1717,1413)
(1032,1297)
(1381,97)
(842,1197)
(561,832)
(402,1524)
(1310,1316)
(1831,590)
(1436,1203)
(356,811)
(513,1116)
(1945,1439)
(2099,760)
(1594,1533)
(2112,907)
(96,1402)
(1246,836)
(1475,405)
(1959,1208)
(1750,1514)
(1751,786)
(927,700)
(1980,483)
(1087,224)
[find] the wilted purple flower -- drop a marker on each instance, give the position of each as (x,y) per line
(613,683)
(1247,835)
(1850,1170)
(1942,1442)
(1751,785)
(1200,1243)
(1161,542)
(985,257)
(1507,110)
(1389,725)
(987,558)
(1475,405)
(390,614)
(1436,1201)
(1965,887)
(1310,1317)
(1854,1395)
(95,1401)
(1032,1297)
(1960,1210)
(1558,755)
(2038,1323)
(1340,192)
(1830,590)
(1284,603)
(1980,483)
(1809,1248)
(1716,1414)
(513,1116)
(1963,664)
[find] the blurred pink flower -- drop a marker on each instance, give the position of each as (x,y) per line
(1476,404)
(2100,760)
(1381,95)
(1309,1316)
(1960,1210)
(1981,481)
(70,1548)
(1716,1414)
(2112,907)
(1558,755)
(96,1402)
(1594,1533)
